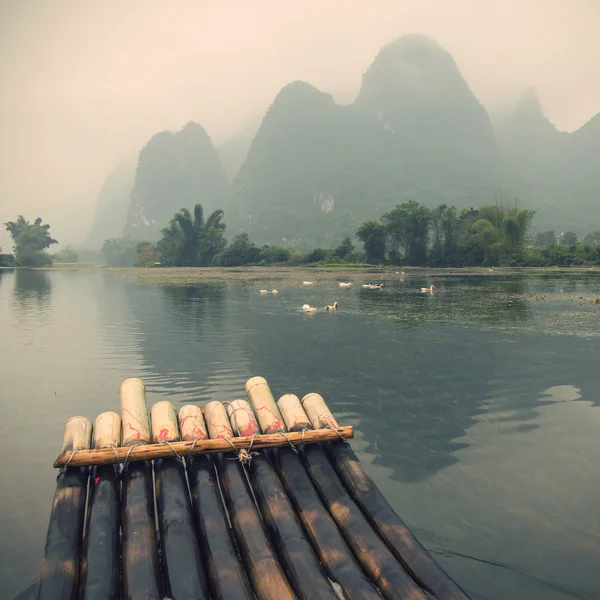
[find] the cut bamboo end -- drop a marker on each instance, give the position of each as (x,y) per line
(319,414)
(293,414)
(217,421)
(78,434)
(264,405)
(164,422)
(242,419)
(191,423)
(107,430)
(110,456)
(134,413)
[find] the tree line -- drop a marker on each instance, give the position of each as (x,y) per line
(410,234)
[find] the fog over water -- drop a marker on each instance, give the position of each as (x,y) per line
(86,84)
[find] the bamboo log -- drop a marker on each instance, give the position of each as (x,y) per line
(226,577)
(320,528)
(293,549)
(183,572)
(373,555)
(264,571)
(145,452)
(141,569)
(100,565)
(264,405)
(59,575)
(397,536)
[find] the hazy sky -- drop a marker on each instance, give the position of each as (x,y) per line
(86,83)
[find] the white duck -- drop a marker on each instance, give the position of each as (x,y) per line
(372,286)
(308,283)
(428,290)
(275,292)
(263,292)
(345,284)
(333,306)
(309,309)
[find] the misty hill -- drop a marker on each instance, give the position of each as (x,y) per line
(233,152)
(416,131)
(111,206)
(554,171)
(174,170)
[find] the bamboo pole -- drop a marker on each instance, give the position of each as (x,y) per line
(145,452)
(264,405)
(295,553)
(59,575)
(397,536)
(226,577)
(370,551)
(183,572)
(304,571)
(264,571)
(141,568)
(100,565)
(323,533)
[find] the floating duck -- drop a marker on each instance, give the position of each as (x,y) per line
(333,306)
(428,290)
(345,284)
(263,292)
(274,292)
(372,286)
(308,283)
(309,309)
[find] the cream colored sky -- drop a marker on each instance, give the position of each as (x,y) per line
(87,82)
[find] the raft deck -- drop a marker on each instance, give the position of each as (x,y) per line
(238,500)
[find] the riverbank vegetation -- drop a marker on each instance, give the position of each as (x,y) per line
(30,240)
(408,235)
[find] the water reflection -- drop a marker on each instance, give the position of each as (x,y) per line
(32,288)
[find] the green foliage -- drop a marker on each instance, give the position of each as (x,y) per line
(68,254)
(6,260)
(373,235)
(345,249)
(146,255)
(30,240)
(240,252)
(414,235)
(191,241)
(407,228)
(120,252)
(543,239)
(270,255)
(568,239)
(592,238)
(562,256)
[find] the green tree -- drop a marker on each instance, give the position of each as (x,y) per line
(274,254)
(146,255)
(543,239)
(568,239)
(445,233)
(345,249)
(241,251)
(592,238)
(373,235)
(192,241)
(29,242)
(407,226)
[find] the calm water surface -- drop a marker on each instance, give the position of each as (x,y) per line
(477,408)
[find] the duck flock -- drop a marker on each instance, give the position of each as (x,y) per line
(307,308)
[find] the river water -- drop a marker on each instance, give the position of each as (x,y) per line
(476,408)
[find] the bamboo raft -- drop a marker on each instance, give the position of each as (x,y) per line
(239,500)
